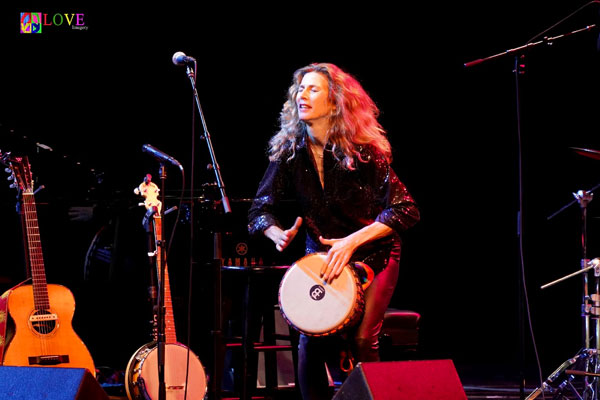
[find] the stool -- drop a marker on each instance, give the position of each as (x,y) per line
(259,305)
(399,337)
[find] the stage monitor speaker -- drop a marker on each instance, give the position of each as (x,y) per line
(49,383)
(402,380)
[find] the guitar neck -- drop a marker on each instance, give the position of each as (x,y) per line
(34,250)
(170,333)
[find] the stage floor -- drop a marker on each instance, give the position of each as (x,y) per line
(478,382)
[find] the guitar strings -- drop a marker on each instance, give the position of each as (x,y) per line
(41,307)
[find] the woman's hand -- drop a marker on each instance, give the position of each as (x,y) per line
(81,214)
(281,238)
(338,256)
(342,249)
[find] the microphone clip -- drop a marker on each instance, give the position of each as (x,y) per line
(190,72)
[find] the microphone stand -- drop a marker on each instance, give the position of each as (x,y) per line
(217,331)
(519,69)
(162,390)
(206,136)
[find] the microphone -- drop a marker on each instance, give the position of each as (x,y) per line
(180,58)
(147,148)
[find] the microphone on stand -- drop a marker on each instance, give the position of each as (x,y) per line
(181,59)
(147,148)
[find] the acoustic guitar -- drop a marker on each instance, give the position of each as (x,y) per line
(184,375)
(41,313)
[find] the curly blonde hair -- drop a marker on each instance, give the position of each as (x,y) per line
(353,122)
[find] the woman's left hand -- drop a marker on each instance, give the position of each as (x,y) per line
(341,250)
(338,256)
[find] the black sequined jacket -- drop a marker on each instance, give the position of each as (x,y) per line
(347,201)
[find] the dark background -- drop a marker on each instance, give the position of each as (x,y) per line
(96,96)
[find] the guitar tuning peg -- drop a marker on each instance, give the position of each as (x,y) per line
(10,178)
(12,186)
(8,170)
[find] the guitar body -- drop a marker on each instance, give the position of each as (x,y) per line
(45,338)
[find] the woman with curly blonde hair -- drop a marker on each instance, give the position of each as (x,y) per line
(353,122)
(332,157)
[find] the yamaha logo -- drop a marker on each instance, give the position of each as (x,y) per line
(317,292)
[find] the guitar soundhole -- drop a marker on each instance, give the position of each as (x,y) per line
(43,321)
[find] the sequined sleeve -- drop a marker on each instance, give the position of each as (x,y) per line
(271,189)
(400,211)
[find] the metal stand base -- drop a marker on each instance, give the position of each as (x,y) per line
(584,361)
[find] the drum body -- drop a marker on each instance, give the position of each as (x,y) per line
(142,380)
(314,307)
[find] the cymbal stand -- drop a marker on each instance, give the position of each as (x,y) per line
(587,358)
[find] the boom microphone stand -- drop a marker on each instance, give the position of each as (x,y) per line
(181,59)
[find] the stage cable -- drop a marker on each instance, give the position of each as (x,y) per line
(523,285)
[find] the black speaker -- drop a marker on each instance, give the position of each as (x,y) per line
(402,380)
(27,383)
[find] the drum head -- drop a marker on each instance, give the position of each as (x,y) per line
(309,303)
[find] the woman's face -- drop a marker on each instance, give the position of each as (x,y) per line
(312,99)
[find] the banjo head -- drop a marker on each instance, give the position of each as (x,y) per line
(143,375)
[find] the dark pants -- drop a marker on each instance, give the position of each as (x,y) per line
(363,341)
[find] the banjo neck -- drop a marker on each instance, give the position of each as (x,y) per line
(149,190)
(170,332)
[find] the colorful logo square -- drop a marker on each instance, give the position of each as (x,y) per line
(31,22)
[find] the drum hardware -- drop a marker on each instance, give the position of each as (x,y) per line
(588,363)
(347,361)
(580,373)
(582,356)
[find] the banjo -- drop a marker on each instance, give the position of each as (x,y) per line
(184,375)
